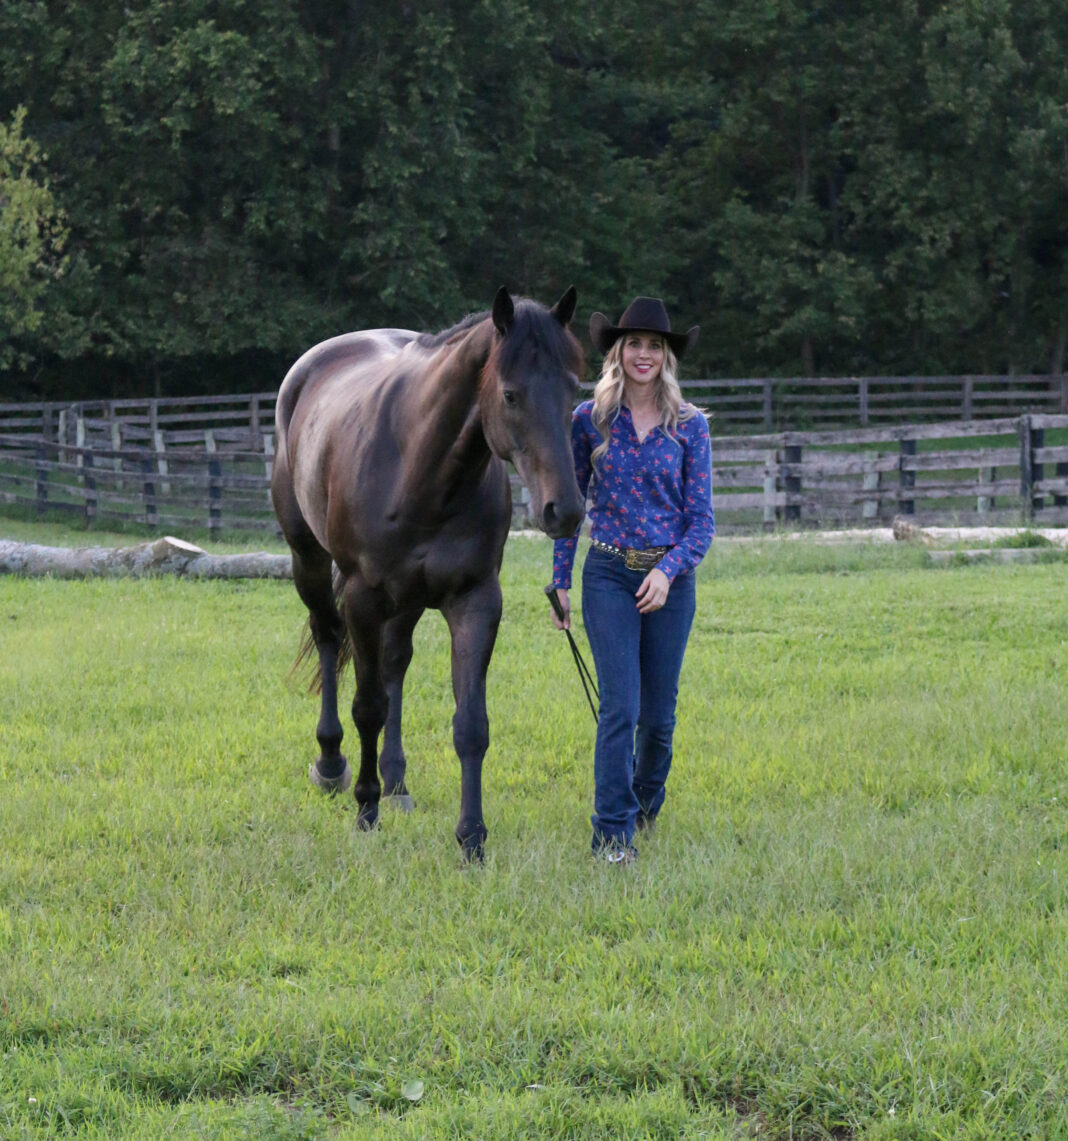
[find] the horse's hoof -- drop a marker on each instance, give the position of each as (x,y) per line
(332,785)
(472,849)
(367,817)
(402,801)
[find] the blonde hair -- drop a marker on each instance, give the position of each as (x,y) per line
(608,395)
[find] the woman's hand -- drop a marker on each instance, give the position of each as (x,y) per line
(653,592)
(565,606)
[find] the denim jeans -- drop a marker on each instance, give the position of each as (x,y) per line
(638,658)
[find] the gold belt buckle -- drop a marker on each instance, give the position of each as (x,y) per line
(637,560)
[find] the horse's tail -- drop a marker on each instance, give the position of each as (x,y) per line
(309,652)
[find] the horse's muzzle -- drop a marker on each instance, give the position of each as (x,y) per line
(559,521)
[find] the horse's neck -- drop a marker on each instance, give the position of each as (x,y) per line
(443,419)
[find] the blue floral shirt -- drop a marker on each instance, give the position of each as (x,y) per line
(653,493)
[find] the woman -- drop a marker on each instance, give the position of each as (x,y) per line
(642,456)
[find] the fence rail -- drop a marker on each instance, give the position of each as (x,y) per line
(760,404)
(991,470)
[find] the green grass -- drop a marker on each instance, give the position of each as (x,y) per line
(1023,539)
(850,923)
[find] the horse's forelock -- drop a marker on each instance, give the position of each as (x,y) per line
(535,330)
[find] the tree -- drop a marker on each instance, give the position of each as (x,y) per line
(867,188)
(31,239)
(759,171)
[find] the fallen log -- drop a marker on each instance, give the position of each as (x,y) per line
(994,555)
(157,557)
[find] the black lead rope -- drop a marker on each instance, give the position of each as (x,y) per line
(580,664)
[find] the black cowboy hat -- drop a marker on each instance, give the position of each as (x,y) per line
(645,315)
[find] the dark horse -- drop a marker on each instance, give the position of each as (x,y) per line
(391,464)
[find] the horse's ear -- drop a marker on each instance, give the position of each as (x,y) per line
(503,310)
(564,309)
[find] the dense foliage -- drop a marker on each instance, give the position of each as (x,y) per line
(827,188)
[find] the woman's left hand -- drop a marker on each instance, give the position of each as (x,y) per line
(653,592)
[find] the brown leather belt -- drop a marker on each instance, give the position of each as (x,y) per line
(636,559)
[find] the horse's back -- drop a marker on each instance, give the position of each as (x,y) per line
(350,358)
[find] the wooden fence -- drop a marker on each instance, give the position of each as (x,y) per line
(176,484)
(1008,469)
(979,472)
(136,421)
(764,405)
(810,403)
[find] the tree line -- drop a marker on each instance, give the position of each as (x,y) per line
(194,191)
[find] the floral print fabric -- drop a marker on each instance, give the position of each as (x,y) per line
(651,493)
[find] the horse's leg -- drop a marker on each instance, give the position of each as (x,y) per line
(312,576)
(363,614)
(396,657)
(473,618)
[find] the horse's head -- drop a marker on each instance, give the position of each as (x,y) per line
(528,392)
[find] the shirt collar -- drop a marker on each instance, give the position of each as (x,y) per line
(656,428)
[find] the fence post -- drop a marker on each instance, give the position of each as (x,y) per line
(771,460)
(268,460)
(863,401)
(872,479)
(91,503)
(1064,393)
(116,447)
(161,460)
(906,479)
(1027,471)
(792,455)
(1038,471)
(253,421)
(42,478)
(969,395)
(986,503)
(79,440)
(769,410)
(148,490)
(61,436)
(214,484)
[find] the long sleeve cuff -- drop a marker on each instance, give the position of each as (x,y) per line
(563,561)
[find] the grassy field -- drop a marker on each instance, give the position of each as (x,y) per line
(851,923)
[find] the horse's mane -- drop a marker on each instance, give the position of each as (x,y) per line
(534,326)
(436,340)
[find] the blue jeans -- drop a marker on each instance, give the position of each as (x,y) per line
(638,658)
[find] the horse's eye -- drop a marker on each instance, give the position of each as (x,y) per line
(509,397)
